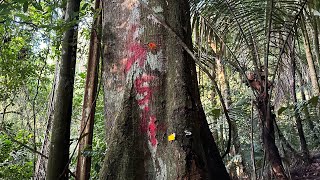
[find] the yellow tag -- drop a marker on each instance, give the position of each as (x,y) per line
(172,137)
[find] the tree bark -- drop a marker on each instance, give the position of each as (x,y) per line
(151,92)
(315,31)
(268,137)
(60,138)
(89,102)
(253,161)
(41,164)
(312,71)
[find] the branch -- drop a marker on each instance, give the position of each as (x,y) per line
(11,112)
(27,23)
(4,130)
(20,143)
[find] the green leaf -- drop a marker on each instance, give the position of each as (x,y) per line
(314,100)
(84,6)
(216,113)
(97,167)
(37,6)
(25,6)
(83,75)
(282,109)
(20,1)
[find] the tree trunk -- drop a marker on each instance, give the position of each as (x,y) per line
(303,142)
(315,27)
(41,164)
(214,122)
(89,102)
(60,138)
(151,93)
(312,71)
(293,152)
(225,88)
(254,172)
(268,136)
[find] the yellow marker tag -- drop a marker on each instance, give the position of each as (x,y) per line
(172,137)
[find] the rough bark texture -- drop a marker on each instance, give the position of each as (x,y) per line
(60,138)
(89,102)
(151,92)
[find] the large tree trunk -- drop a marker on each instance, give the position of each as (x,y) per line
(151,92)
(60,138)
(89,102)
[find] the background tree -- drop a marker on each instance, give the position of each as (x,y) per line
(252,30)
(60,139)
(90,97)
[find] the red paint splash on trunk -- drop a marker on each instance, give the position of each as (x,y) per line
(153,130)
(138,53)
(144,92)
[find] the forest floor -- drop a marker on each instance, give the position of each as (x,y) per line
(308,172)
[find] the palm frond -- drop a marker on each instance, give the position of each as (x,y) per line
(252,31)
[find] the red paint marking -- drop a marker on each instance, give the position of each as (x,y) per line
(145,91)
(139,54)
(144,78)
(153,130)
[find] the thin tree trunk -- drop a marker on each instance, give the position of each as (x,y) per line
(225,88)
(303,143)
(315,31)
(215,120)
(268,136)
(316,39)
(312,71)
(60,137)
(151,93)
(89,102)
(254,173)
(41,164)
(286,143)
